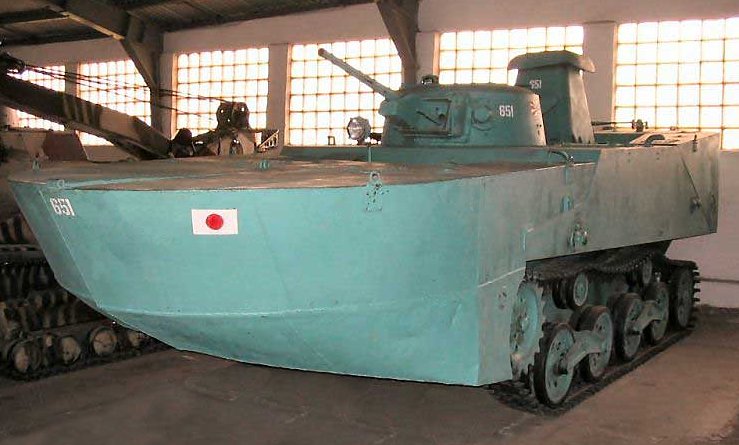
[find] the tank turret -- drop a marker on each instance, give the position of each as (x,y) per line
(431,114)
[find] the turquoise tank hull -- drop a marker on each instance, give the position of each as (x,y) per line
(404,267)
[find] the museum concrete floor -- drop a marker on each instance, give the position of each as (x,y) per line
(688,394)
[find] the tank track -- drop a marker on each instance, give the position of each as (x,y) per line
(45,330)
(626,261)
(615,261)
(88,358)
(14,230)
(518,395)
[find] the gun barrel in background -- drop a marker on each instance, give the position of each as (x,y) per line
(376,86)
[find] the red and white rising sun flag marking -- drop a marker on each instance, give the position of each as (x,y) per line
(215,222)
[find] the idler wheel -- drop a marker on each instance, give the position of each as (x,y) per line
(67,349)
(103,341)
(598,320)
(681,290)
(572,292)
(25,356)
(660,295)
(552,382)
(625,313)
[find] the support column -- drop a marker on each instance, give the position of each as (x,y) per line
(277,102)
(600,46)
(427,47)
(142,40)
(71,69)
(167,73)
(401,20)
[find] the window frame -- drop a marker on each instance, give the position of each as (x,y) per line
(327,97)
(482,55)
(27,120)
(123,89)
(666,73)
(220,74)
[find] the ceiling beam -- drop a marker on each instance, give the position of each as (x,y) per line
(265,9)
(401,21)
(130,5)
(143,41)
(35,15)
(42,39)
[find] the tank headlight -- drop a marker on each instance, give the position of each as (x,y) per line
(358,129)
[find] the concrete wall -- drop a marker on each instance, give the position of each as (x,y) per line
(717,254)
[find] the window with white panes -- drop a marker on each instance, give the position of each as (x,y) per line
(323,97)
(483,56)
(681,74)
(52,77)
(116,85)
(240,75)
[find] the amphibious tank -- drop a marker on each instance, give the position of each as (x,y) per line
(490,236)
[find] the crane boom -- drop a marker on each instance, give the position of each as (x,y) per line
(232,135)
(127,132)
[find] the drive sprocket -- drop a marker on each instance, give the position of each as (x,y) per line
(527,321)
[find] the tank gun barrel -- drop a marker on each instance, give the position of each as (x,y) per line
(376,86)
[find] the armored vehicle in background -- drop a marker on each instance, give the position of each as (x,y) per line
(43,328)
(490,237)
